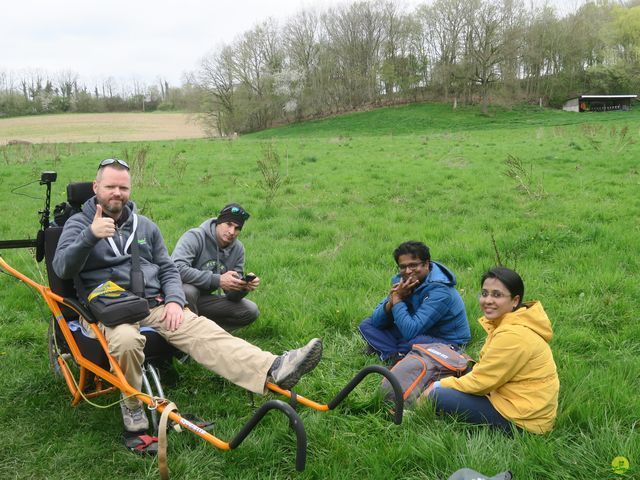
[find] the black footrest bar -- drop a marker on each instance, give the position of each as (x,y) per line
(294,421)
(397,389)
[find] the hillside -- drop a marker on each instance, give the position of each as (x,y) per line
(425,118)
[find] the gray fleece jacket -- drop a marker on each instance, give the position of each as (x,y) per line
(200,260)
(95,260)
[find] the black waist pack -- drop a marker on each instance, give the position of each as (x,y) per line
(114,309)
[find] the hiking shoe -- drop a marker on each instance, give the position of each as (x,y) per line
(135,420)
(290,366)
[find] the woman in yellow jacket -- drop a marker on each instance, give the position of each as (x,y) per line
(515,381)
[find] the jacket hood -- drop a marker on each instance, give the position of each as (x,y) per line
(531,316)
(440,273)
(209,229)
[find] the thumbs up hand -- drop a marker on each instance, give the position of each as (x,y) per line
(102,227)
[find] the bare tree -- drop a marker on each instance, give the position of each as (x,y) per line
(400,69)
(513,28)
(541,46)
(67,87)
(485,47)
(444,25)
(355,34)
(257,57)
(301,41)
(217,78)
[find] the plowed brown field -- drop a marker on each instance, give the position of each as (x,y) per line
(99,127)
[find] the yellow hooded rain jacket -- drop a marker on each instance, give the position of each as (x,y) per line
(516,370)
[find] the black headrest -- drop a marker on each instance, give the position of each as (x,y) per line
(78,193)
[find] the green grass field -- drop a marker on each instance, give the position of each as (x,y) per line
(557,192)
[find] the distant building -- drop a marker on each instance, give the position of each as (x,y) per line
(599,103)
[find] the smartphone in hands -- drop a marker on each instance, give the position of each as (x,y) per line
(248,278)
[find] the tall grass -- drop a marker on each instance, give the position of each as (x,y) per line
(356,187)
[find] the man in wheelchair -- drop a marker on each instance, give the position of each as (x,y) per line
(95,247)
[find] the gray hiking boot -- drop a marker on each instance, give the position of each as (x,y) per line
(135,420)
(289,367)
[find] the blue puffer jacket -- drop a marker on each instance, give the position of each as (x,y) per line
(434,308)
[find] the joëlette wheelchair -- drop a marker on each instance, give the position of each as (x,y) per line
(99,373)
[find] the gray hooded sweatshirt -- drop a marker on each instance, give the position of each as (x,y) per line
(200,260)
(95,260)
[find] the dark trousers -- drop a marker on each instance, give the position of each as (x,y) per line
(471,408)
(229,314)
(388,342)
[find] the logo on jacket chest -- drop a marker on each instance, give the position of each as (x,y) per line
(214,266)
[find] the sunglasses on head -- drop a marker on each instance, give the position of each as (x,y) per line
(236,211)
(110,161)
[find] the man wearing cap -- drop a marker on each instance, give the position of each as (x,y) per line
(210,259)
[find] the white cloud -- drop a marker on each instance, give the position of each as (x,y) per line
(130,39)
(133,39)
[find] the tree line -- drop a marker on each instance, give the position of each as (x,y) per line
(38,92)
(372,53)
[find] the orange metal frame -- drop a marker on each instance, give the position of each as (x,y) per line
(118,381)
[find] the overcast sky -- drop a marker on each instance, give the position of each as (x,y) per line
(132,40)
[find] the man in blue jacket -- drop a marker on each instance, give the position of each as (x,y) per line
(423,306)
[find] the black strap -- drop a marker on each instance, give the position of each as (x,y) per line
(137,278)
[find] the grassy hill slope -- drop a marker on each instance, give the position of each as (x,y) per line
(422,118)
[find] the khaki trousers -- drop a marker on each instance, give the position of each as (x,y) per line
(229,314)
(207,343)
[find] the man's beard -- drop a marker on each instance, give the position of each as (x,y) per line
(114,207)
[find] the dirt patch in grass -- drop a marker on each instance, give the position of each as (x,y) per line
(99,127)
